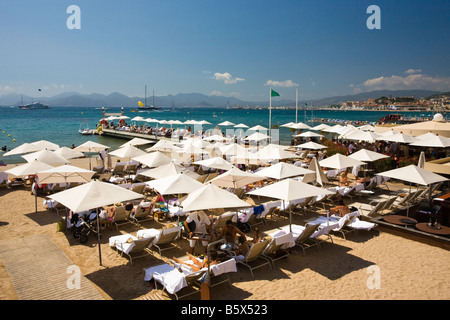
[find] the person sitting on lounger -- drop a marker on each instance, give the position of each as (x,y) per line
(342,209)
(229,232)
(242,248)
(343,179)
(197,264)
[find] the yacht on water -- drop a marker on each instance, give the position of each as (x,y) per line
(144,105)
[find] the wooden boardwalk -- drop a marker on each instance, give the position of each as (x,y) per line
(40,270)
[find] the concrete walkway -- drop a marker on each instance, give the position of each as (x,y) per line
(40,270)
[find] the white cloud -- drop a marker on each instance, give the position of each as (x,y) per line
(284,84)
(413,71)
(216,93)
(413,81)
(227,78)
(6,89)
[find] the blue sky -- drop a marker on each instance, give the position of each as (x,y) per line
(226,47)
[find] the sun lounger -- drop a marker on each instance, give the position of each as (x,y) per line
(119,169)
(174,281)
(344,225)
(221,220)
(254,255)
(132,246)
(142,214)
(164,241)
(276,249)
(121,216)
(374,208)
(304,236)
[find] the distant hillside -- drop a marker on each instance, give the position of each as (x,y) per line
(115,99)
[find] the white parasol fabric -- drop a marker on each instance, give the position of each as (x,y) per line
(257,136)
(46,156)
(91,146)
(258,127)
(176,184)
(282,170)
(163,145)
(308,134)
(128,151)
(240,125)
(299,125)
(367,155)
(215,163)
(413,174)
(29,168)
(235,178)
(318,176)
(339,161)
(153,159)
(321,127)
(23,148)
(65,173)
(433,141)
(68,153)
(169,169)
(399,137)
(136,142)
(274,152)
(211,196)
(44,144)
(311,145)
(360,135)
(226,123)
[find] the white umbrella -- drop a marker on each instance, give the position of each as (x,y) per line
(434,141)
(367,127)
(212,197)
(339,161)
(136,142)
(321,127)
(46,156)
(422,160)
(128,151)
(153,159)
(204,122)
(413,174)
(318,176)
(216,163)
(257,127)
(175,184)
(162,145)
(287,125)
(308,134)
(367,155)
(226,123)
(215,137)
(94,195)
(65,173)
(399,137)
(300,125)
(333,129)
(44,144)
(288,190)
(360,135)
(311,145)
(29,168)
(169,169)
(23,148)
(235,178)
(91,146)
(240,125)
(274,152)
(282,170)
(233,149)
(257,136)
(68,153)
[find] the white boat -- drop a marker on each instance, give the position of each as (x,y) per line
(84,130)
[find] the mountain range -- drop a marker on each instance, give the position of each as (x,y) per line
(115,99)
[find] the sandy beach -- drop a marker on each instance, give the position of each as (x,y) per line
(409,266)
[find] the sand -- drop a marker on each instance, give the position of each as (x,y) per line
(407,266)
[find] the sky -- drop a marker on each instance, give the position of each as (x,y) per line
(238,48)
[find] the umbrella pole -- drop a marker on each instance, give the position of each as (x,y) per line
(98,238)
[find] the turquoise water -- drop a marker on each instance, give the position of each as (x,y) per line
(60,124)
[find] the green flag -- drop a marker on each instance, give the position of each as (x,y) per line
(274,93)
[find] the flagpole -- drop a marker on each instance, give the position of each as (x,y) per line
(270,115)
(296,104)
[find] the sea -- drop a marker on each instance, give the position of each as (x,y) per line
(61,125)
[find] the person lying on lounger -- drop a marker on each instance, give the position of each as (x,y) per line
(341,210)
(197,264)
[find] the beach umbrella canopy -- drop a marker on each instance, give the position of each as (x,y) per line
(257,136)
(176,184)
(300,125)
(436,126)
(226,123)
(46,156)
(434,141)
(312,146)
(282,170)
(23,148)
(258,127)
(339,161)
(216,163)
(274,152)
(367,155)
(367,127)
(398,137)
(44,144)
(128,151)
(233,149)
(169,169)
(29,168)
(321,127)
(240,125)
(422,160)
(360,135)
(91,146)
(333,129)
(211,196)
(138,118)
(136,142)
(287,125)
(68,153)
(425,135)
(235,178)
(318,176)
(153,159)
(308,134)
(413,174)
(162,145)
(65,173)
(215,137)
